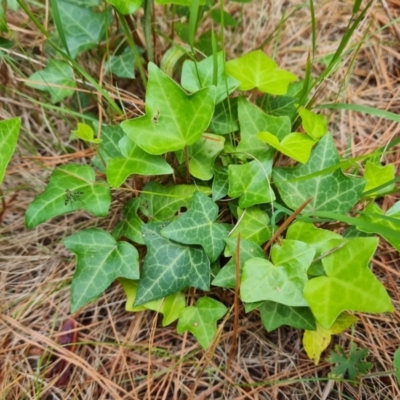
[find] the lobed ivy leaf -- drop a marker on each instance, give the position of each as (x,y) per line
(225,117)
(71,187)
(273,315)
(315,125)
(220,184)
(377,175)
(196,76)
(391,221)
(198,226)
(170,307)
(57,79)
(254,225)
(173,119)
(159,203)
(126,7)
(331,192)
(226,276)
(295,145)
(253,120)
(100,260)
(257,70)
(317,340)
(134,160)
(349,285)
(351,366)
(83,28)
(251,181)
(121,65)
(130,226)
(201,320)
(170,267)
(9,131)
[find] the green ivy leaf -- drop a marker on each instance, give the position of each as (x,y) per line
(134,160)
(83,29)
(225,117)
(251,181)
(351,366)
(130,226)
(121,65)
(170,267)
(85,132)
(220,183)
(315,125)
(198,226)
(100,260)
(332,192)
(126,7)
(200,75)
(377,175)
(295,145)
(254,225)
(373,214)
(201,320)
(253,120)
(57,79)
(256,70)
(273,315)
(170,306)
(202,155)
(9,131)
(226,277)
(283,282)
(349,285)
(72,187)
(225,19)
(316,341)
(173,119)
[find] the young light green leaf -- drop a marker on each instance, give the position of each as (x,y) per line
(201,320)
(130,226)
(9,131)
(198,226)
(57,79)
(295,145)
(349,285)
(122,65)
(166,126)
(273,315)
(100,260)
(226,277)
(253,120)
(85,132)
(220,183)
(159,203)
(257,70)
(251,181)
(170,267)
(170,306)
(315,125)
(202,155)
(71,187)
(200,75)
(373,214)
(316,341)
(126,7)
(254,225)
(83,29)
(333,192)
(134,160)
(377,175)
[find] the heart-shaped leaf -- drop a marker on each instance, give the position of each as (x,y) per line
(122,65)
(170,267)
(201,320)
(9,131)
(377,175)
(330,192)
(198,226)
(349,285)
(173,119)
(256,70)
(71,187)
(315,125)
(100,260)
(85,132)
